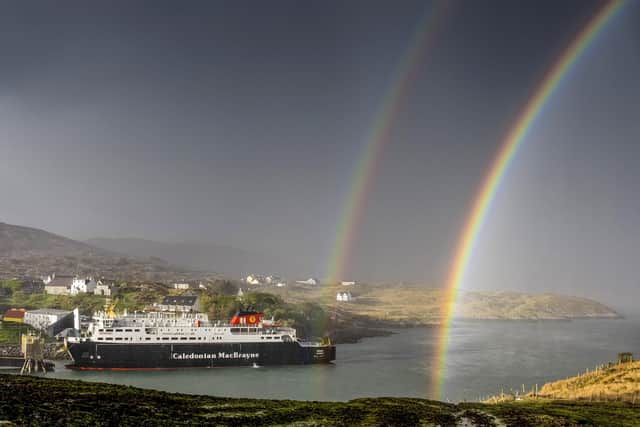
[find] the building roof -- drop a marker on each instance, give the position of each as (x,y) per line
(61,281)
(180,300)
(15,313)
(50,311)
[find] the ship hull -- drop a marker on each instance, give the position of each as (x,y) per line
(98,356)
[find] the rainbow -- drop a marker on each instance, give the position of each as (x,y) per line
(485,196)
(369,161)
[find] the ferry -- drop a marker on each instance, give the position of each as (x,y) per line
(173,340)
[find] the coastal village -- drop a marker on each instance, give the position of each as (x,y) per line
(64,290)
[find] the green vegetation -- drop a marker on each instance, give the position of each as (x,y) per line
(10,332)
(310,319)
(562,413)
(218,300)
(88,303)
(44,401)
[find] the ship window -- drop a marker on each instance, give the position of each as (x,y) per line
(183,338)
(137,330)
(243,329)
(199,338)
(119,339)
(235,330)
(165,338)
(100,330)
(108,339)
(128,330)
(118,330)
(192,338)
(147,338)
(252,329)
(108,330)
(269,338)
(99,339)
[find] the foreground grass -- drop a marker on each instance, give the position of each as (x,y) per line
(620,381)
(43,401)
(564,413)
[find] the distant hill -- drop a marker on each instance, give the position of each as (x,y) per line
(420,305)
(19,242)
(517,305)
(200,256)
(27,251)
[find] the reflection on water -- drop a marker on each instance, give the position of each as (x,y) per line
(484,357)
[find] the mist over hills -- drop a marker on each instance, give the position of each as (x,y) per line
(199,256)
(28,251)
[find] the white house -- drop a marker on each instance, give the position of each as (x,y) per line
(254,279)
(105,288)
(240,293)
(182,286)
(309,281)
(82,285)
(346,283)
(344,296)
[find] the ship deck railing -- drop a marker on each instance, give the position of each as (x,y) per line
(310,344)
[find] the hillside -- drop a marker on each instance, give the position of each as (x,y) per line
(413,305)
(516,305)
(26,251)
(620,381)
(200,256)
(45,401)
(22,242)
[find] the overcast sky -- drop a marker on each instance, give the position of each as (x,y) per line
(241,122)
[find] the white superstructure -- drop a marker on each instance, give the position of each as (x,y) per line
(179,327)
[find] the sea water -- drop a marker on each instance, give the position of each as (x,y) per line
(484,357)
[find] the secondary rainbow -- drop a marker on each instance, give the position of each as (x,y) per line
(487,192)
(368,162)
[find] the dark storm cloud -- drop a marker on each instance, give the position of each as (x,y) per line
(241,122)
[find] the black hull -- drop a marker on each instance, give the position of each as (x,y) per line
(92,355)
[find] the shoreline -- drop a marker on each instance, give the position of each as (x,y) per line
(385,328)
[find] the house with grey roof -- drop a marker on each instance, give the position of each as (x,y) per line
(59,285)
(185,303)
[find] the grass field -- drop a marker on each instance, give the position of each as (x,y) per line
(43,401)
(619,382)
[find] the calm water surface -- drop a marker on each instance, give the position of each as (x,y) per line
(484,357)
